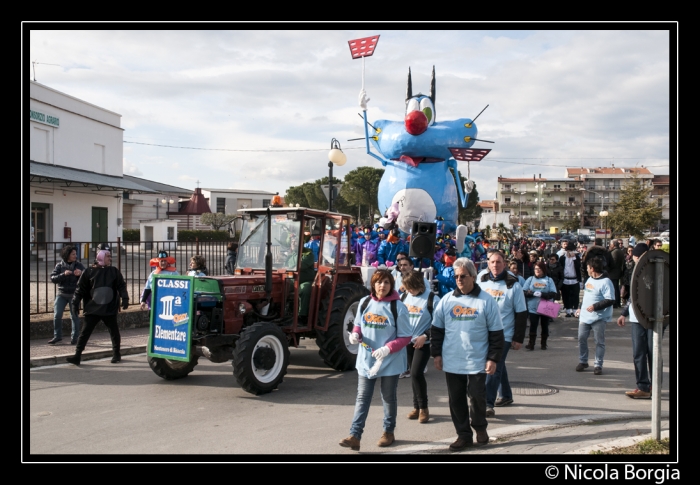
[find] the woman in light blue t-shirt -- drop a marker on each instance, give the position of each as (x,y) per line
(538,287)
(420,302)
(382,328)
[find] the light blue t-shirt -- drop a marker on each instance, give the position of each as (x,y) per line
(596,290)
(378,327)
(467,321)
(544,284)
(418,312)
(510,301)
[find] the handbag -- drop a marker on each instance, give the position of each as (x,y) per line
(548,308)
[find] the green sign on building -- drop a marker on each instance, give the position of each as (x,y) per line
(43,118)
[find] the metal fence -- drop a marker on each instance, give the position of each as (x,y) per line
(132,259)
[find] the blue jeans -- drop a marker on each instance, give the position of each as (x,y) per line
(498,382)
(365,389)
(584,330)
(59,305)
(643,355)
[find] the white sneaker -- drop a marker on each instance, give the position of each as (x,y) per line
(425,370)
(405,374)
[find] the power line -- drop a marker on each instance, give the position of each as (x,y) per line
(500,159)
(238,150)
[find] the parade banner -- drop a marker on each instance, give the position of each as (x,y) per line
(171,317)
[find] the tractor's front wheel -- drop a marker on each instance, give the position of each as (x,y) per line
(172,369)
(260,358)
(334,345)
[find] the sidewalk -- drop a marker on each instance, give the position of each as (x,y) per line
(580,434)
(134,341)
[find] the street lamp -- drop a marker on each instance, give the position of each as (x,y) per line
(539,187)
(601,201)
(604,215)
(520,199)
(167,201)
(337,157)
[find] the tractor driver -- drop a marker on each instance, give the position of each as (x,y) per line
(307,274)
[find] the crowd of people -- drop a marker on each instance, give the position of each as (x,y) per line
(474,318)
(467,320)
(101,291)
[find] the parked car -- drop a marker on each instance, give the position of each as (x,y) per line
(582,238)
(569,237)
(664,234)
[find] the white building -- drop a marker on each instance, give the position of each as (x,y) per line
(228,201)
(75,169)
(164,204)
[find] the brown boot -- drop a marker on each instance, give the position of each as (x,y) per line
(350,442)
(386,439)
(413,414)
(543,342)
(531,344)
(424,416)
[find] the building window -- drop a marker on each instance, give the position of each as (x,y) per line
(556,213)
(506,186)
(507,200)
(221,205)
(125,195)
(557,186)
(266,202)
(572,199)
(171,233)
(572,186)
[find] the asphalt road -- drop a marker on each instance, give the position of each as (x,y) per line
(102,408)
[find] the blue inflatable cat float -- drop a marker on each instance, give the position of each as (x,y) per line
(417,154)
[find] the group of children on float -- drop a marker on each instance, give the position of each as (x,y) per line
(375,246)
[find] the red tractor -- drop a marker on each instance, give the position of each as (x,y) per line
(253,318)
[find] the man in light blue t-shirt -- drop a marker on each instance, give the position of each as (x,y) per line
(596,310)
(505,288)
(467,343)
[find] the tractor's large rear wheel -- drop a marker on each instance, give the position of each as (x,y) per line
(334,345)
(260,358)
(172,369)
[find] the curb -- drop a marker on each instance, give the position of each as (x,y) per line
(90,355)
(619,443)
(509,432)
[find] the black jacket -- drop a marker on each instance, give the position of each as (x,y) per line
(577,266)
(524,269)
(556,272)
(617,267)
(66,284)
(100,288)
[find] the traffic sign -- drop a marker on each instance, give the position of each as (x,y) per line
(336,190)
(643,287)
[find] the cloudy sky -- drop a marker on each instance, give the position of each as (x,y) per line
(257,109)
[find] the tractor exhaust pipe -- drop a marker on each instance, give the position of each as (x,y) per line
(268,258)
